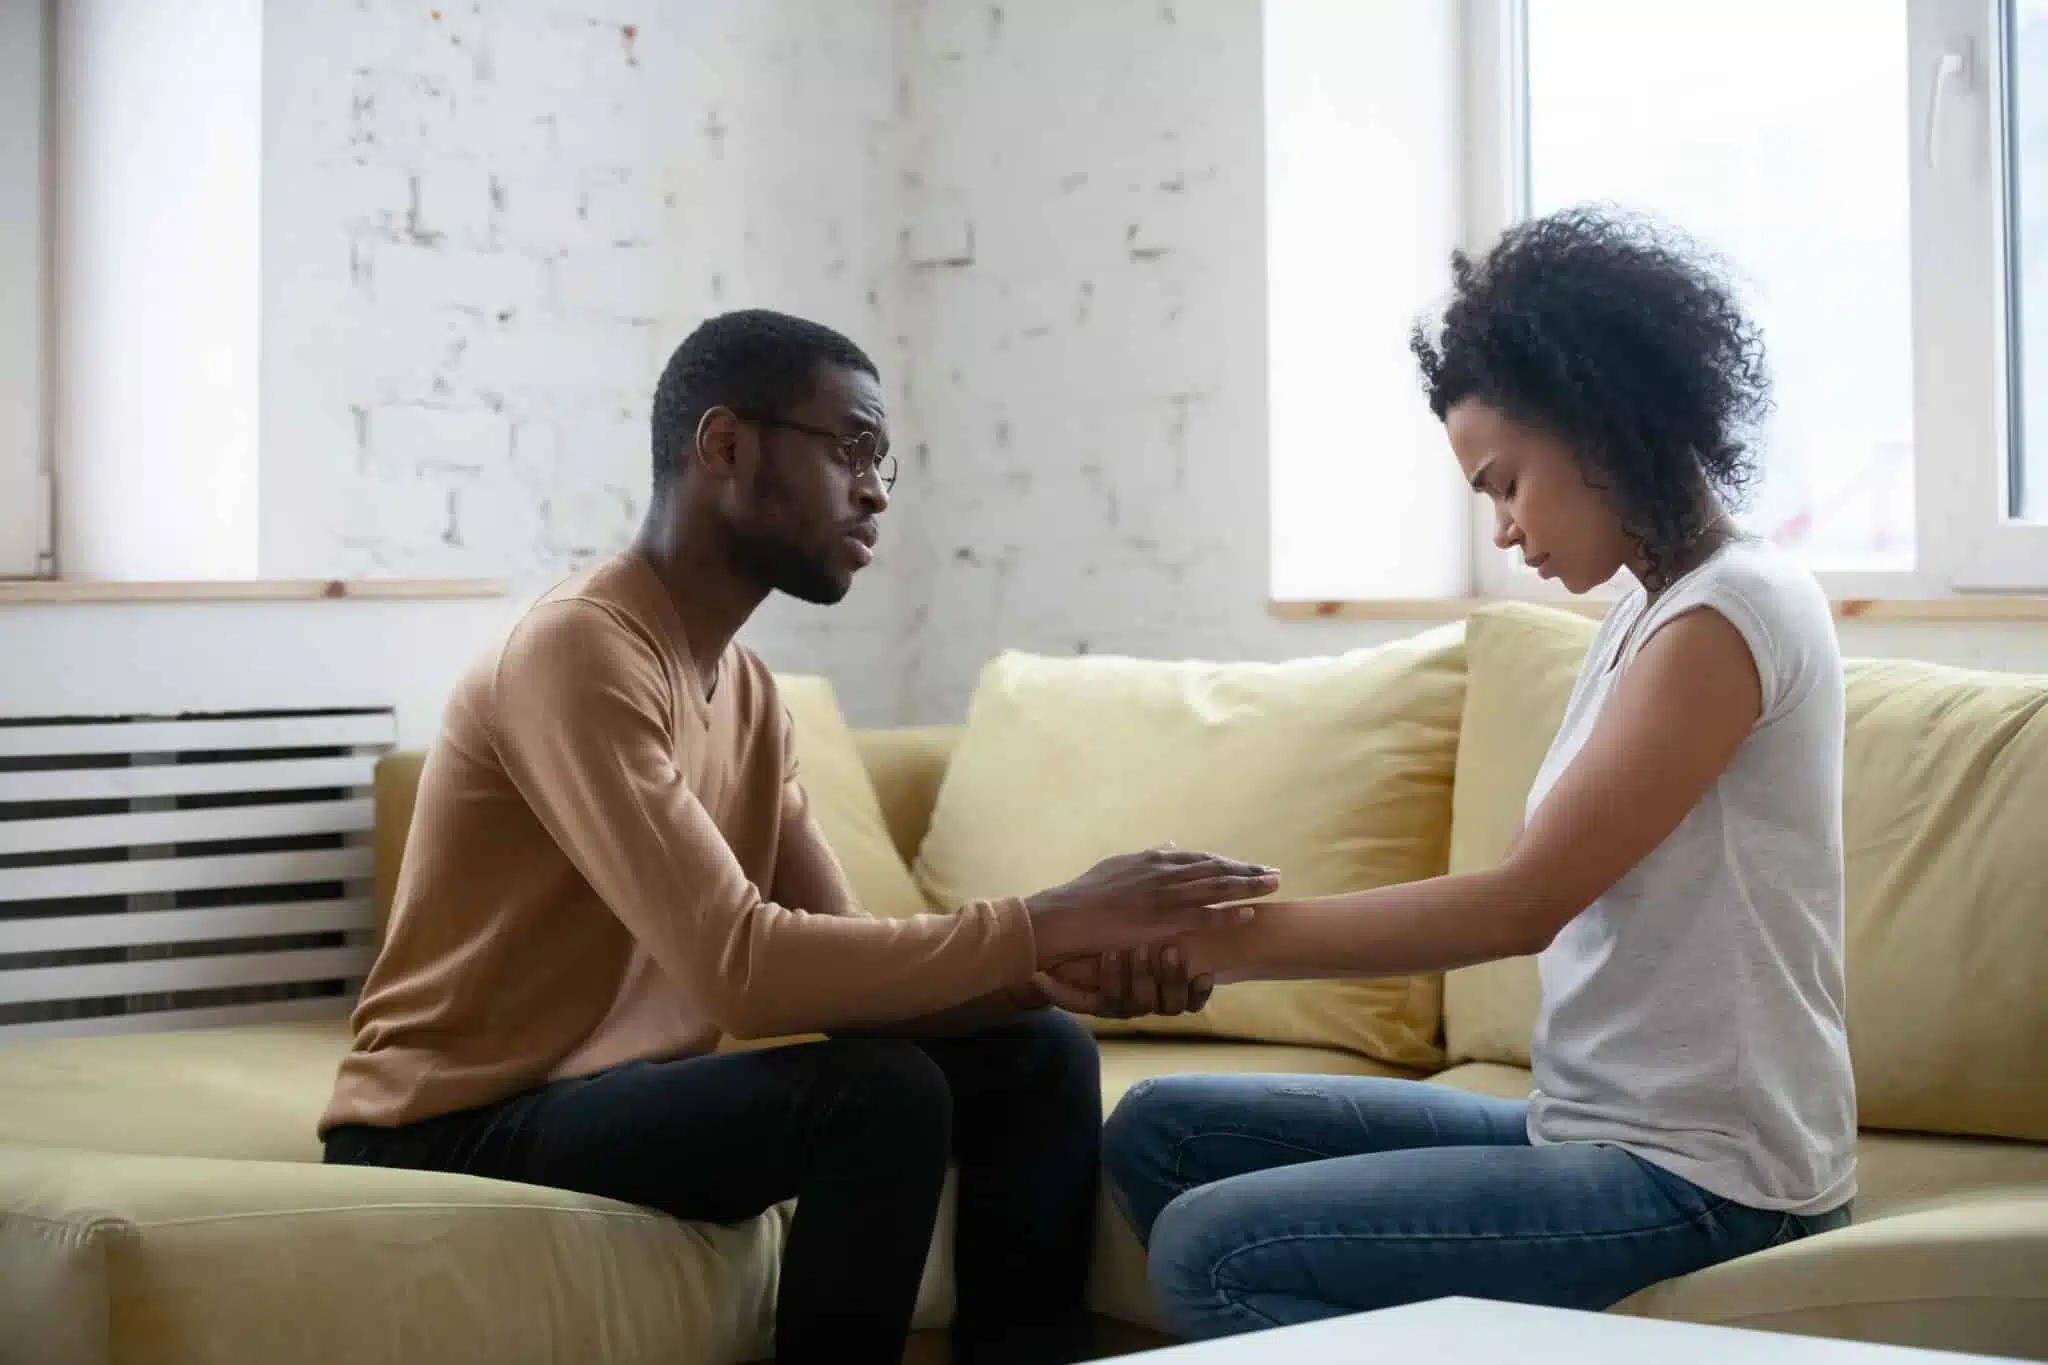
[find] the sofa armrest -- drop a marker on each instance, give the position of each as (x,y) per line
(108,1257)
(53,1259)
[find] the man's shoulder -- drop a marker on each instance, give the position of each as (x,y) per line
(602,610)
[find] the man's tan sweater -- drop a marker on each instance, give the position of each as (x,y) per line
(605,865)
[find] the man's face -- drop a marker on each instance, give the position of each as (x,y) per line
(805,523)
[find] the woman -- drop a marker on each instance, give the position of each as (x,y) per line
(1680,869)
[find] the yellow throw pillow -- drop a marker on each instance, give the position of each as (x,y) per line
(1335,770)
(836,781)
(1946,785)
(1521,661)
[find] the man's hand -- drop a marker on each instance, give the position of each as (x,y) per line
(1136,899)
(1125,985)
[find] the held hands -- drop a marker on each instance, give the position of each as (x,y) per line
(1139,899)
(1125,985)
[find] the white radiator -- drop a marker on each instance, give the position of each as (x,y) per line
(180,873)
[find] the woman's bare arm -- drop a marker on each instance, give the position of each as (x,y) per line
(1677,715)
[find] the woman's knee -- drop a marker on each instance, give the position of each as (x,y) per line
(1192,1238)
(1139,1145)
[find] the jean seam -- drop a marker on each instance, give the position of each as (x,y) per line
(1240,1305)
(1661,1229)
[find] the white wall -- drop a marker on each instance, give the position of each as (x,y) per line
(158,114)
(486,227)
(24,128)
(168,658)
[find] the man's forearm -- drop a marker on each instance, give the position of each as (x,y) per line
(986,1011)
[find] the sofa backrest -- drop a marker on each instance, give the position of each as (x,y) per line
(1945,821)
(906,767)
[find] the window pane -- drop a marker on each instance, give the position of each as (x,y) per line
(1774,131)
(2028,83)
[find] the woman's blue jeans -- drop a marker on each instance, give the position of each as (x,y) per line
(1266,1200)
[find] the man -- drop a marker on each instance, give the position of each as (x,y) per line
(612,864)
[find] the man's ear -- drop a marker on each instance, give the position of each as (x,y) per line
(718,445)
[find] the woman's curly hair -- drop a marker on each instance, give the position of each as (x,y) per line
(1621,338)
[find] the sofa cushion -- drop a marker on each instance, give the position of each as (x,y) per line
(1946,773)
(244,1093)
(836,781)
(1949,1249)
(1336,770)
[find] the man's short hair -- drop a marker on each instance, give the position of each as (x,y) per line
(754,361)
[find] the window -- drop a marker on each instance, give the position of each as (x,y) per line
(1796,171)
(1876,173)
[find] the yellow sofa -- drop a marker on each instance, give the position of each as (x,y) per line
(161,1201)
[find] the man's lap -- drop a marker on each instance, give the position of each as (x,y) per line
(725,1136)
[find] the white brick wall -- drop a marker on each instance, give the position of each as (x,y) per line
(487,226)
(1090,387)
(485,232)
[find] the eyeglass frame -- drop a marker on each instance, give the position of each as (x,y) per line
(881,462)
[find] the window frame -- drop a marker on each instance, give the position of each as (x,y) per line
(1964,543)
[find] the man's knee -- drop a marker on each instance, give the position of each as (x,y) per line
(891,1083)
(1058,1050)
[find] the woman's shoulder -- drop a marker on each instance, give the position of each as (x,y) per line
(1762,581)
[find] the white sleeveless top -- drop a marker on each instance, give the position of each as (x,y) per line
(1693,1015)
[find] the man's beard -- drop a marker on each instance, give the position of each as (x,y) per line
(780,567)
(776,564)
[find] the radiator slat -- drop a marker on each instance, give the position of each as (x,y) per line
(62,933)
(120,915)
(331,1007)
(379,728)
(184,874)
(185,826)
(186,779)
(25,984)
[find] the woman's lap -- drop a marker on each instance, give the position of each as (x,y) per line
(1267,1200)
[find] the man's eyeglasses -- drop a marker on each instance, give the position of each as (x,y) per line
(860,453)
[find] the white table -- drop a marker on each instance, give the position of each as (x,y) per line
(1478,1332)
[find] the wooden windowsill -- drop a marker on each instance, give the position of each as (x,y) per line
(59,593)
(1952,609)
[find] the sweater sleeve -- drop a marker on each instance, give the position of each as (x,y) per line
(582,724)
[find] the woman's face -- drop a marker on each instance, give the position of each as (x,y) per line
(1542,504)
